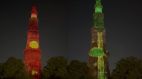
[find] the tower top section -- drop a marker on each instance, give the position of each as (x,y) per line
(98,6)
(34,12)
(33,22)
(98,17)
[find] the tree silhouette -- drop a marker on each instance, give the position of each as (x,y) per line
(13,69)
(55,68)
(128,68)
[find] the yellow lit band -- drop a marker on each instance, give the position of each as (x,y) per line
(34,72)
(100,40)
(34,44)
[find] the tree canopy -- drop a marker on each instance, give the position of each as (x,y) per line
(59,68)
(77,70)
(128,68)
(13,69)
(55,68)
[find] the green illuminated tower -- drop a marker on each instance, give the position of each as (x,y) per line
(98,55)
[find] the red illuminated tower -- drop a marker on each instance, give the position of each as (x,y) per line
(32,52)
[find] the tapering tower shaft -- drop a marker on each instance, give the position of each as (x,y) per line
(32,52)
(98,55)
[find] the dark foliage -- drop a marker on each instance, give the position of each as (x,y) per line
(59,68)
(13,69)
(128,68)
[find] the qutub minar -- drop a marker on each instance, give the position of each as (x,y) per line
(32,52)
(98,55)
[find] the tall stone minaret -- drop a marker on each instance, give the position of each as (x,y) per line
(32,52)
(98,55)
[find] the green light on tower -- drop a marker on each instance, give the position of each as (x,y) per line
(98,17)
(101,66)
(95,52)
(98,7)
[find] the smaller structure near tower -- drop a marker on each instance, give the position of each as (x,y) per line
(32,52)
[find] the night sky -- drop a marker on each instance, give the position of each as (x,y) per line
(65,28)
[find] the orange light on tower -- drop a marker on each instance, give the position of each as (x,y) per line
(34,12)
(32,52)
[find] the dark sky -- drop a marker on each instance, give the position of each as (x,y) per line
(65,28)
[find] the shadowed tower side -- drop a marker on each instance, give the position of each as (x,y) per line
(32,52)
(98,55)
